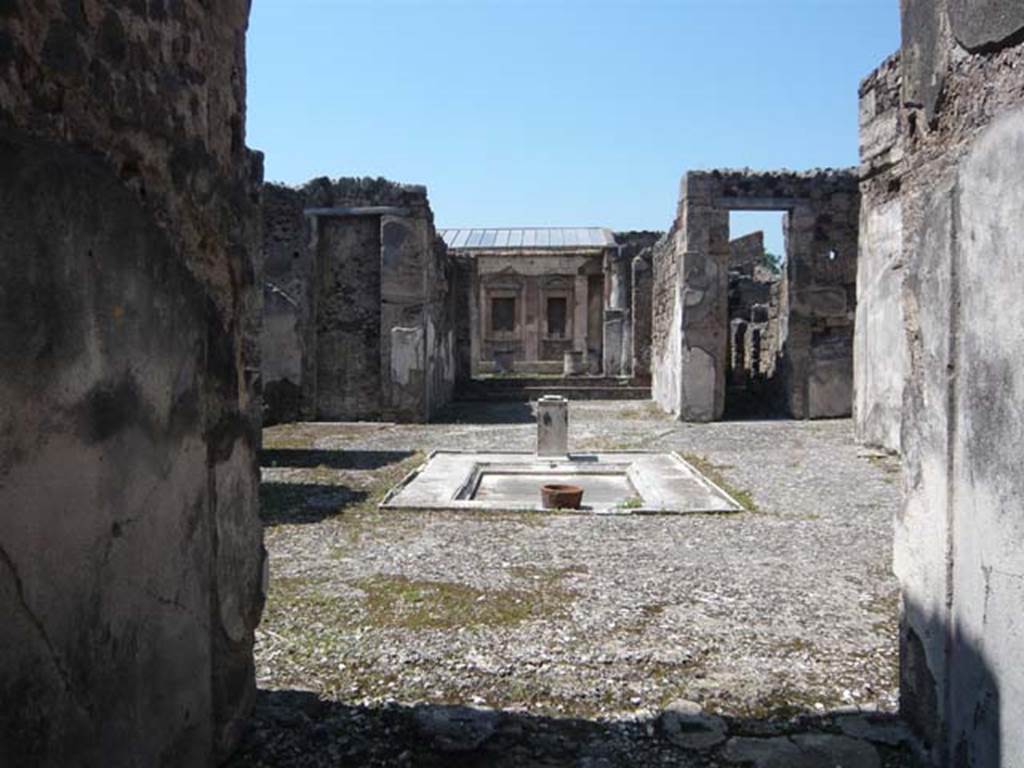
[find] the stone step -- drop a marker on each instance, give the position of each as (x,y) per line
(523,393)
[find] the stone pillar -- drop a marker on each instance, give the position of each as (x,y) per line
(579,326)
(738,352)
(614,328)
(616,325)
(475,320)
(641,311)
(552,426)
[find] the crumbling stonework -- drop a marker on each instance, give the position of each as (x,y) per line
(131,567)
(881,358)
(359,304)
(957,207)
(817,299)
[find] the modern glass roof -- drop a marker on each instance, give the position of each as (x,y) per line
(528,238)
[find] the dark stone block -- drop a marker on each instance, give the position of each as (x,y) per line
(110,42)
(985,25)
(61,51)
(923,56)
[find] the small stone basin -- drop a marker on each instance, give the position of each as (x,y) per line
(561,496)
(617,482)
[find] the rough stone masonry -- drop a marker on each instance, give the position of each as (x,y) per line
(817,299)
(359,307)
(131,565)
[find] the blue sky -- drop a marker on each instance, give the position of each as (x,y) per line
(569,112)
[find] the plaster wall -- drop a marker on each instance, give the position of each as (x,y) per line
(959,549)
(666,314)
(881,357)
(131,566)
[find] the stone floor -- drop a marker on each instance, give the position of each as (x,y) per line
(469,638)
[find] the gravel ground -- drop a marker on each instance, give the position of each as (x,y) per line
(579,627)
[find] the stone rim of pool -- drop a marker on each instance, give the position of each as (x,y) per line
(630,483)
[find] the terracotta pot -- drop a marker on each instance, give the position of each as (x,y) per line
(559,496)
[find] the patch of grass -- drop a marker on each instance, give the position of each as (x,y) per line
(607,444)
(361,517)
(302,434)
(634,503)
(714,473)
(779,703)
(647,410)
(401,602)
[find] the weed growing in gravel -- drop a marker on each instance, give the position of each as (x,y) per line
(714,473)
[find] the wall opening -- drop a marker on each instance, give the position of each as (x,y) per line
(757,259)
(557,313)
(503,314)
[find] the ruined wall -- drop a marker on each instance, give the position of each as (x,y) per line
(959,550)
(754,336)
(817,300)
(131,568)
(371,320)
(881,357)
(286,342)
(746,253)
(636,349)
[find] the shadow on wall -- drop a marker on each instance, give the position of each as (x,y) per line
(949,695)
(340,459)
(297,728)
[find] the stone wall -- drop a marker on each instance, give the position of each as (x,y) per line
(959,549)
(287,340)
(347,255)
(360,303)
(817,300)
(881,358)
(131,566)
